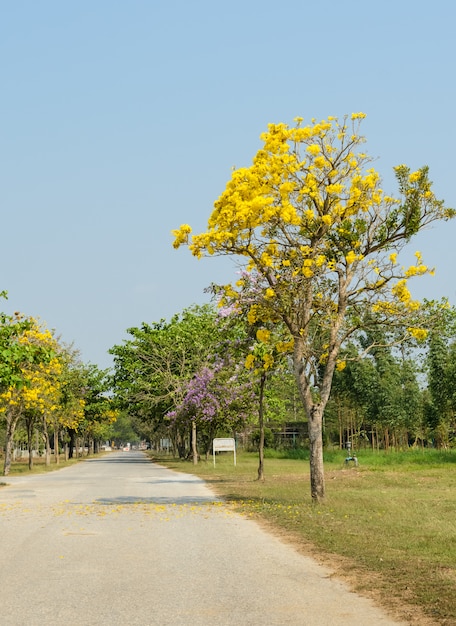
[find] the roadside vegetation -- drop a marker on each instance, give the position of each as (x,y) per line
(21,466)
(50,402)
(388,526)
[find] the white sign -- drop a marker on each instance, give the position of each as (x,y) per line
(224,445)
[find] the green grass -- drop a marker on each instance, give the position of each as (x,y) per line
(388,525)
(39,466)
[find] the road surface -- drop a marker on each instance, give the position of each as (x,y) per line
(120,540)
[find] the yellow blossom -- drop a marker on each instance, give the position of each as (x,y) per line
(320,162)
(285,346)
(314,149)
(351,257)
(263,335)
(418,333)
(181,235)
(252,315)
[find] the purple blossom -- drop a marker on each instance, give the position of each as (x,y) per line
(216,394)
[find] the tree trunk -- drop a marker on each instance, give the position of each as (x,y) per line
(47,443)
(314,413)
(71,445)
(29,423)
(8,450)
(56,445)
(261,427)
(317,474)
(194,446)
(12,418)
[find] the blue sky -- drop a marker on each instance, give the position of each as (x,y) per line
(120,120)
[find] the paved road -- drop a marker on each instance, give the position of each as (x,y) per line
(119,540)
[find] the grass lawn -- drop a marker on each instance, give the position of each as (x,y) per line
(388,526)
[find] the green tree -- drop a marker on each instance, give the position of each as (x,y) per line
(99,411)
(310,217)
(441,371)
(152,368)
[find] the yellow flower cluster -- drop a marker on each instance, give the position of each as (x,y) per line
(293,166)
(249,361)
(419,269)
(263,335)
(181,235)
(252,315)
(419,334)
(285,346)
(351,257)
(401,291)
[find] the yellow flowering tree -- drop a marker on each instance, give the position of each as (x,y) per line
(310,216)
(34,389)
(40,396)
(72,403)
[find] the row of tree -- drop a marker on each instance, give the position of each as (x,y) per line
(210,372)
(186,374)
(46,392)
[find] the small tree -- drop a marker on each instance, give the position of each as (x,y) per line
(309,215)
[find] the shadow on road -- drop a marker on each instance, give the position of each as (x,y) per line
(168,500)
(126,458)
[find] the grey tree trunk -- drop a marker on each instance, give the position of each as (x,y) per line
(56,445)
(314,412)
(47,443)
(29,424)
(12,418)
(317,474)
(194,446)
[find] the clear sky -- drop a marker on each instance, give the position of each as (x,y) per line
(122,119)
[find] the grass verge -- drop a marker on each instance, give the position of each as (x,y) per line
(20,467)
(388,526)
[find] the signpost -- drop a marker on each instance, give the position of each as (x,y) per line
(224,445)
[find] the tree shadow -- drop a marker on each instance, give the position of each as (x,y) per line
(166,500)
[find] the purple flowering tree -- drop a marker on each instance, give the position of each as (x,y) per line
(219,398)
